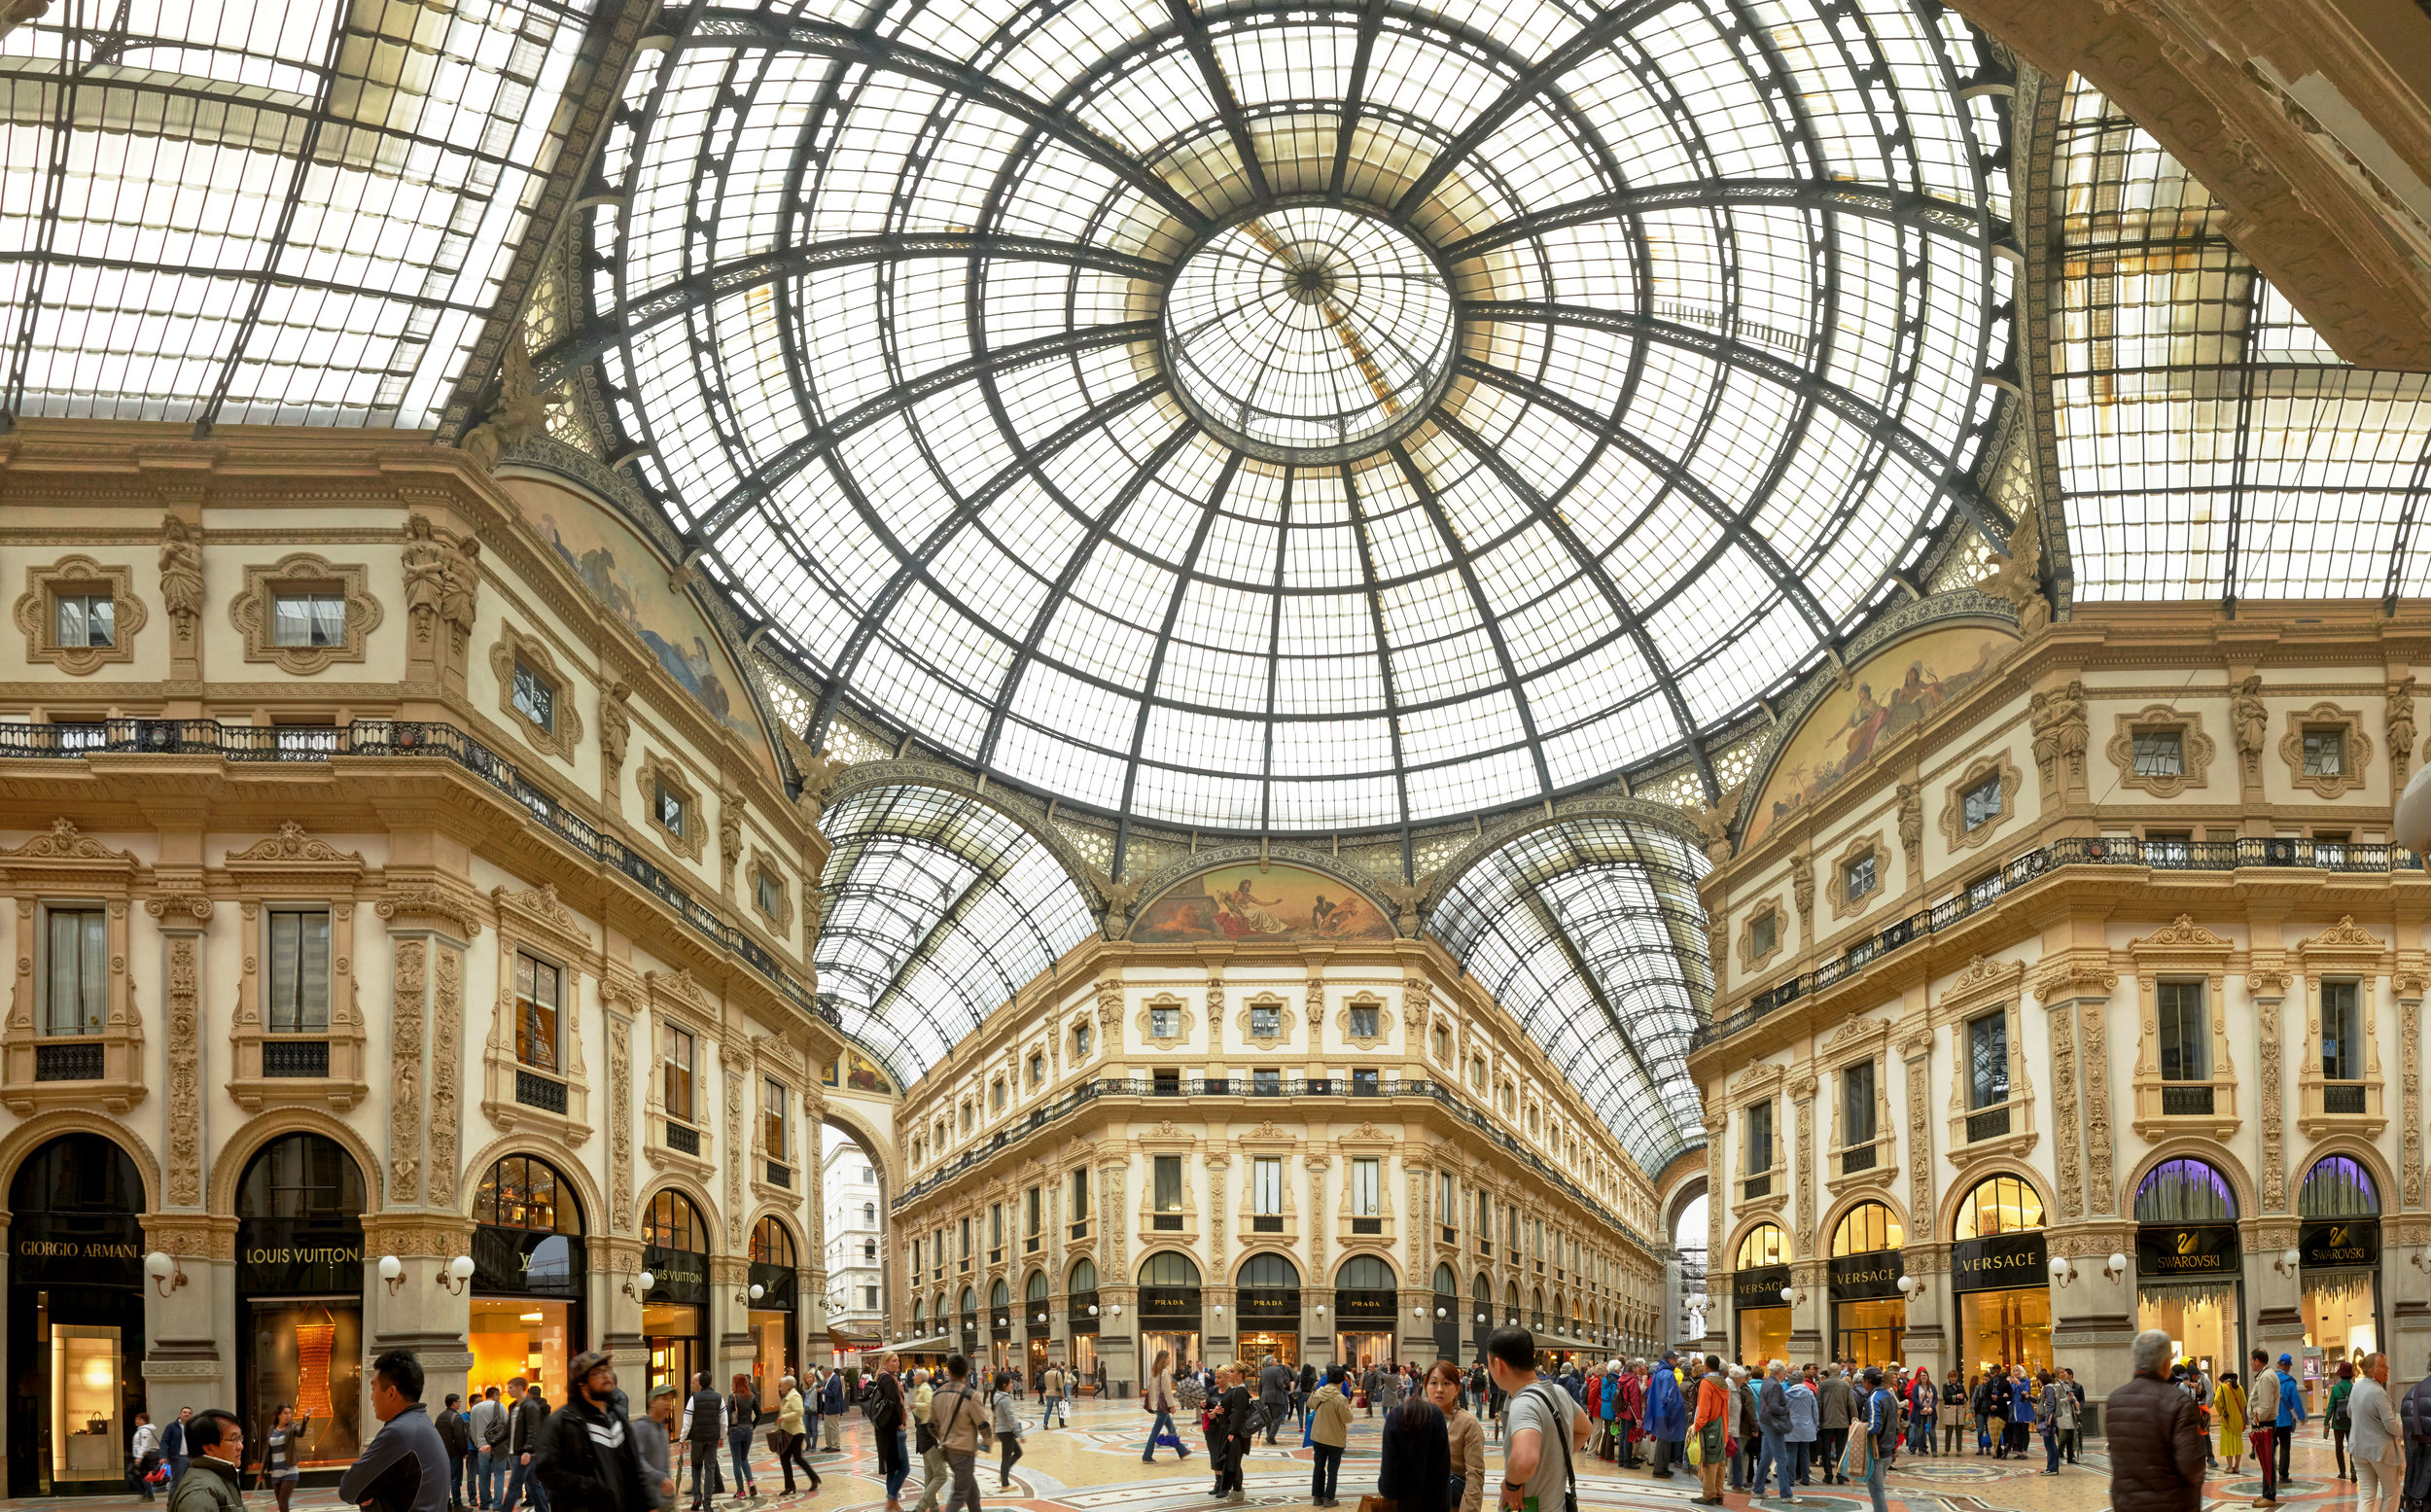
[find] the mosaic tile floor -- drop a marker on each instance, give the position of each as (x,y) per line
(1094,1465)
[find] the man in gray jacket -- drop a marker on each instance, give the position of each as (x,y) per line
(1772,1421)
(1274,1393)
(405,1467)
(1837,1402)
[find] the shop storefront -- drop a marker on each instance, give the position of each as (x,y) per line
(299,1295)
(2337,1250)
(1169,1308)
(1367,1305)
(1080,1323)
(1760,1296)
(529,1271)
(2000,1277)
(1869,1312)
(774,1295)
(967,1341)
(675,1312)
(1447,1313)
(1000,1332)
(2190,1268)
(76,1318)
(1269,1300)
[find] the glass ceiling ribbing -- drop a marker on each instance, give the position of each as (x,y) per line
(290,211)
(1589,932)
(2211,447)
(882,310)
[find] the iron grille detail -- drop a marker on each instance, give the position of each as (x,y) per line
(67,1063)
(294,1057)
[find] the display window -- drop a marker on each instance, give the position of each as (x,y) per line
(75,1317)
(1358,1351)
(1870,1332)
(529,1271)
(1998,1330)
(2338,1249)
(526,1337)
(1869,1312)
(300,1279)
(2190,1276)
(775,1284)
(1181,1344)
(1763,1335)
(671,1333)
(674,1314)
(1999,1267)
(1084,1363)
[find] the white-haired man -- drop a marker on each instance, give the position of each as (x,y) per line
(2156,1449)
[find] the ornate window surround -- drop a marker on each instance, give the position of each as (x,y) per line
(2344,952)
(761,863)
(38,618)
(1166,1139)
(676,1001)
(304,571)
(293,866)
(1858,1042)
(1749,960)
(564,737)
(2358,752)
(653,770)
(1286,1021)
(2196,749)
(2178,951)
(1186,1023)
(536,923)
(1367,1141)
(1384,1022)
(1953,819)
(1981,987)
(1270,1142)
(64,863)
(1767,1082)
(772,1060)
(1837,887)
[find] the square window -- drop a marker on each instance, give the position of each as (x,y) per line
(2159,754)
(2325,753)
(669,810)
(1364,1080)
(1081,1042)
(1765,933)
(83,621)
(1037,1069)
(1164,1023)
(771,894)
(536,697)
(539,1006)
(2185,1040)
(308,619)
(1265,1020)
(1982,804)
(1858,877)
(1363,1023)
(1266,1080)
(300,971)
(76,1001)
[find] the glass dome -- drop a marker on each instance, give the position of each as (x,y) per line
(1305,418)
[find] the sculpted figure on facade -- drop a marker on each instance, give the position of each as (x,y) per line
(2401,728)
(181,575)
(1119,897)
(615,725)
(426,574)
(2251,721)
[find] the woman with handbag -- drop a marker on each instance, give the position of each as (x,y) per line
(1415,1475)
(1709,1430)
(1465,1438)
(1159,1400)
(742,1418)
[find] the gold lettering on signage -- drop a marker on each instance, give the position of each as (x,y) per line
(70,1249)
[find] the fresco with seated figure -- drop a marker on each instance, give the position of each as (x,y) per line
(1246,903)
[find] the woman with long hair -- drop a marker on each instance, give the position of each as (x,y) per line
(1160,1401)
(2336,1421)
(279,1449)
(742,1417)
(1464,1436)
(1415,1473)
(1008,1410)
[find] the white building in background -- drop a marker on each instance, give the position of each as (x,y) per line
(854,1213)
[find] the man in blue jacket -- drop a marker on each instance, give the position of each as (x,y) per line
(1667,1415)
(832,1410)
(2291,1413)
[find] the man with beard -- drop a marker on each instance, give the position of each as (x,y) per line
(585,1453)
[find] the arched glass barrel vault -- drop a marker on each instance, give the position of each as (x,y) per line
(1304,417)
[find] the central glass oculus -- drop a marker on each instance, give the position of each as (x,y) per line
(1308,333)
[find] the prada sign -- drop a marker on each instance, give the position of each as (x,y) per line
(1860,1278)
(2340,1244)
(2181,1251)
(1759,1288)
(2005,1262)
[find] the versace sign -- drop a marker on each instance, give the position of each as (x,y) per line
(1858,1278)
(2003,1263)
(1760,1287)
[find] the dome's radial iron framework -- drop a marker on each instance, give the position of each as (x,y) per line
(897,306)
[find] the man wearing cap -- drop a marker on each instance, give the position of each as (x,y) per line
(2291,1413)
(653,1449)
(583,1455)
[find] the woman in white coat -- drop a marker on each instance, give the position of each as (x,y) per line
(2375,1443)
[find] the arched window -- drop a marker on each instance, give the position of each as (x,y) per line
(869,1214)
(2185,1191)
(971,1302)
(526,1193)
(1364,1272)
(918,1312)
(869,1250)
(672,1224)
(1083,1276)
(1764,1245)
(1036,1288)
(1447,1285)
(771,1244)
(1867,1227)
(2337,1186)
(79,1174)
(1000,1295)
(1169,1268)
(2001,1205)
(1510,1302)
(301,1175)
(1270,1270)
(1481,1292)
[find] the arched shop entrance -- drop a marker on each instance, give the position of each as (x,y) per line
(2190,1270)
(1269,1300)
(969,1310)
(1480,1315)
(2338,1251)
(775,1297)
(300,1294)
(1367,1306)
(528,1275)
(1038,1323)
(1000,1324)
(1759,1276)
(1080,1321)
(1447,1313)
(675,1313)
(1169,1308)
(1999,1268)
(75,1317)
(1869,1312)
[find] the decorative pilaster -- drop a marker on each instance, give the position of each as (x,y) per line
(2269,984)
(1802,1093)
(2076,992)
(731,1059)
(409,992)
(1216,1167)
(446,1121)
(1318,1220)
(182,1008)
(2100,1179)
(2063,1094)
(1916,1050)
(620,1117)
(2407,983)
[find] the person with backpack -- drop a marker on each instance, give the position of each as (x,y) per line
(1051,1397)
(960,1421)
(2337,1422)
(742,1417)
